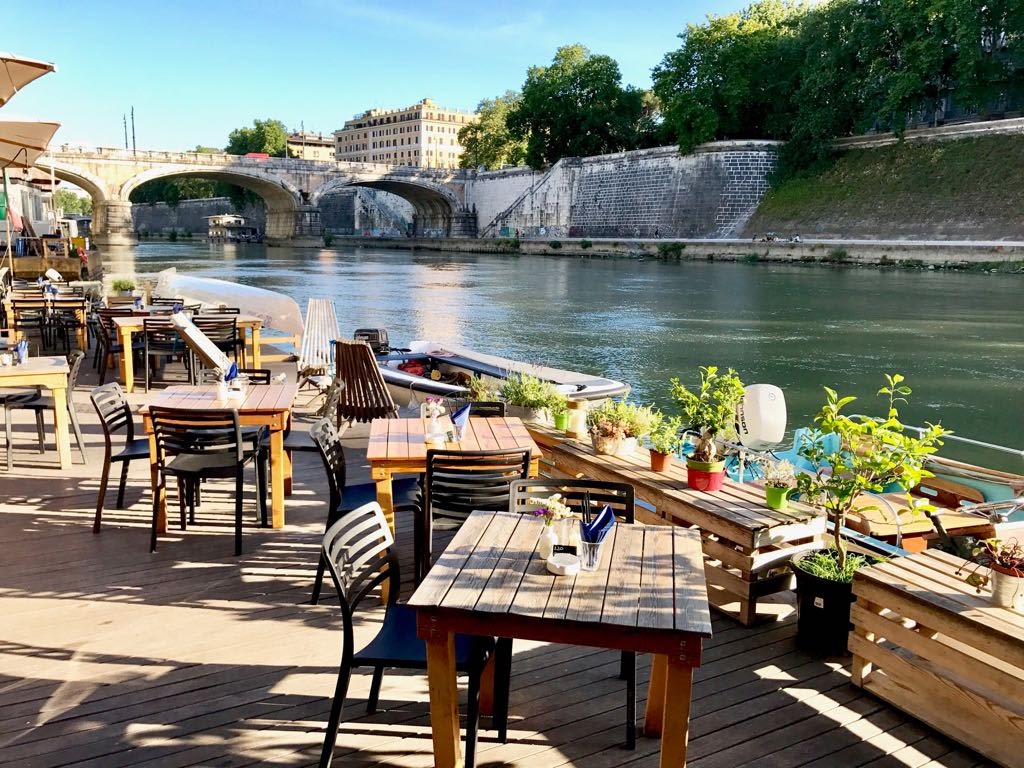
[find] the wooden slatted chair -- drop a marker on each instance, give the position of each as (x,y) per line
(358,552)
(576,493)
(365,396)
(455,484)
(316,354)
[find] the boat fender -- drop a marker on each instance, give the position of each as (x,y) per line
(761,417)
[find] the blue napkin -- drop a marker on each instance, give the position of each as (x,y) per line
(461,417)
(21,350)
(39,280)
(176,308)
(53,290)
(231,373)
(595,531)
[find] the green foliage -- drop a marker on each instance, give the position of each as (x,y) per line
(671,250)
(71,203)
(586,244)
(864,456)
(575,107)
(554,244)
(711,409)
(510,245)
(527,391)
(269,136)
(122,284)
(830,564)
(621,418)
(173,235)
(751,258)
(187,234)
(667,434)
(1007,555)
(482,390)
(328,239)
(487,141)
(836,256)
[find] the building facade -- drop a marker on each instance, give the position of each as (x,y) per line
(311,146)
(423,135)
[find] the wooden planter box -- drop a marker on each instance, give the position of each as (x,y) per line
(926,642)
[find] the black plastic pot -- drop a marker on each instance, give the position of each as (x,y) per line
(823,613)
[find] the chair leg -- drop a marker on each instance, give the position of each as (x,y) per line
(262,480)
(121,486)
(160,486)
(473,712)
(318,583)
(502,686)
(239,485)
(629,662)
(40,430)
(77,429)
(337,703)
(10,437)
(185,497)
(371,701)
(104,478)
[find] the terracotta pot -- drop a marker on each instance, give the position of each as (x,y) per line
(606,445)
(705,475)
(660,462)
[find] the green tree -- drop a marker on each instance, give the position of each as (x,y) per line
(268,136)
(487,141)
(207,150)
(71,203)
(575,107)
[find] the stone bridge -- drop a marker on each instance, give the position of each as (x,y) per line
(290,188)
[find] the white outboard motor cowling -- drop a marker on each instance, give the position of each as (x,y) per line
(761,417)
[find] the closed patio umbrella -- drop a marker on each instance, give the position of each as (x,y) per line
(17,71)
(22,143)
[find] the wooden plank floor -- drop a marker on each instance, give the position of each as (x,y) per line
(111,656)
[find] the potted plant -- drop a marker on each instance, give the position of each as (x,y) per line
(528,397)
(560,414)
(779,483)
(123,286)
(666,440)
(864,456)
(616,426)
(709,411)
(1005,561)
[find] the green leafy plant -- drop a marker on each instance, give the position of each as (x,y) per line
(826,564)
(482,390)
(328,238)
(122,284)
(527,391)
(559,407)
(711,409)
(779,474)
(554,244)
(864,456)
(173,235)
(585,244)
(621,418)
(1006,556)
(671,250)
(667,434)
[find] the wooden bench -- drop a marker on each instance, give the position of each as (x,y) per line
(926,642)
(747,546)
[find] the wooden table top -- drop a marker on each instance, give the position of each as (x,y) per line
(741,504)
(648,588)
(134,321)
(261,398)
(35,366)
(403,439)
(932,583)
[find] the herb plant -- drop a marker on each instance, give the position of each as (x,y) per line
(711,409)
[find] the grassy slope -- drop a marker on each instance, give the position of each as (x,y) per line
(970,189)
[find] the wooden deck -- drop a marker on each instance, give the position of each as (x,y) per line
(111,656)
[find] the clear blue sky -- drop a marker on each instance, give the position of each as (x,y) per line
(195,70)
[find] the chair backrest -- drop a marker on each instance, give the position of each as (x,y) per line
(458,482)
(328,444)
(483,408)
(118,301)
(165,300)
(332,399)
(112,407)
(357,549)
(75,365)
(576,494)
(28,312)
(159,332)
(255,375)
(186,431)
(365,396)
(223,310)
(320,329)
(217,329)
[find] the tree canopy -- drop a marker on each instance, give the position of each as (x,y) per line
(71,203)
(268,136)
(575,107)
(487,141)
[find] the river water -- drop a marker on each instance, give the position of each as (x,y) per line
(957,337)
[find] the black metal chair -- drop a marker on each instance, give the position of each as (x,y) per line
(40,403)
(161,342)
(10,400)
(115,415)
(257,376)
(303,441)
(194,445)
(109,346)
(576,494)
(30,317)
(357,550)
(455,484)
(222,330)
(482,408)
(65,319)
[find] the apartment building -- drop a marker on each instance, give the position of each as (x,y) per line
(311,146)
(423,135)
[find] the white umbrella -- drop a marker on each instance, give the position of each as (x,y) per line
(22,143)
(16,72)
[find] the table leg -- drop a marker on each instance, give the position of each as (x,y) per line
(127,363)
(676,728)
(256,359)
(161,508)
(287,456)
(60,422)
(386,499)
(654,715)
(83,339)
(444,701)
(277,461)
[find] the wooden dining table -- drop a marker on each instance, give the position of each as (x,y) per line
(648,595)
(51,373)
(130,324)
(398,446)
(268,405)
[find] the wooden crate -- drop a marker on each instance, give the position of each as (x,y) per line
(926,642)
(747,546)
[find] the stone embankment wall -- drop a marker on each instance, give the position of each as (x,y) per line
(189,216)
(646,193)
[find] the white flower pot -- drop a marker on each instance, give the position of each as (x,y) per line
(546,545)
(627,447)
(1007,591)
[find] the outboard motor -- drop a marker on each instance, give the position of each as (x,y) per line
(377,338)
(761,417)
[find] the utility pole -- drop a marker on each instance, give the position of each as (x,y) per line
(124,117)
(133,130)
